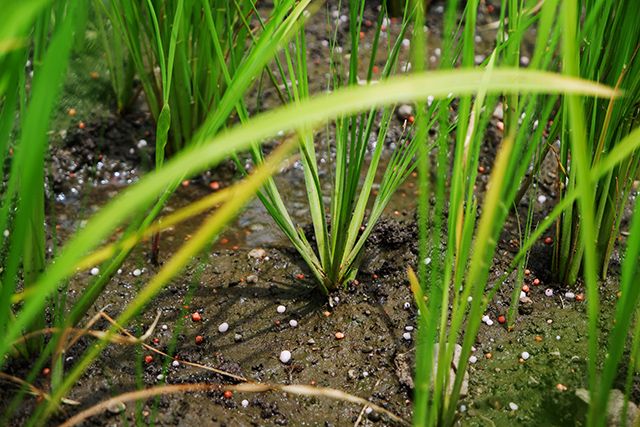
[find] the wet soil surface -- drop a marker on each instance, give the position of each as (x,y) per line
(358,343)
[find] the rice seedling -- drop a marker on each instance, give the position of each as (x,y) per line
(121,66)
(470,245)
(187,54)
(340,236)
(601,199)
(22,213)
(609,56)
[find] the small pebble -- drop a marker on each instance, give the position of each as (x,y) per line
(570,295)
(94,271)
(406,336)
(293,323)
(368,410)
(245,403)
(257,253)
(142,143)
(160,377)
(485,318)
(548,292)
(513,406)
(542,199)
(175,363)
(473,359)
(224,327)
(408,328)
(558,337)
(498,113)
(404,111)
(281,309)
(489,322)
(407,305)
(165,327)
(525,355)
(285,356)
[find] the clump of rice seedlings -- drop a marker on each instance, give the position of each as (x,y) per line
(340,230)
(451,292)
(608,55)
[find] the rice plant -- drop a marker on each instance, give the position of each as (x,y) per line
(602,198)
(608,55)
(22,213)
(340,231)
(186,53)
(470,243)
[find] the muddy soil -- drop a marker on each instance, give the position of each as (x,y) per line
(356,343)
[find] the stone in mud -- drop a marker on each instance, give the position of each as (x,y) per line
(116,408)
(614,408)
(498,113)
(404,111)
(257,254)
(405,361)
(526,306)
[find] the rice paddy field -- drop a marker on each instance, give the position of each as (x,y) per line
(410,257)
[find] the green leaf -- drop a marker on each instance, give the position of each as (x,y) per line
(162,133)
